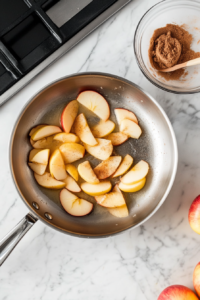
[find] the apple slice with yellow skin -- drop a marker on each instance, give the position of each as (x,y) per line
(48,182)
(124,166)
(130,128)
(122,113)
(34,129)
(66,137)
(107,167)
(139,171)
(41,157)
(177,292)
(96,103)
(103,128)
(86,172)
(134,187)
(38,168)
(83,131)
(119,212)
(117,138)
(73,205)
(196,279)
(32,153)
(47,143)
(71,169)
(45,131)
(96,189)
(71,184)
(69,115)
(102,150)
(57,166)
(72,152)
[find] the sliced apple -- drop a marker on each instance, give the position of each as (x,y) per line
(83,131)
(117,138)
(57,166)
(96,103)
(102,150)
(41,157)
(122,113)
(72,152)
(130,128)
(125,165)
(47,143)
(122,211)
(38,168)
(71,169)
(86,172)
(34,129)
(119,212)
(134,187)
(71,184)
(31,142)
(66,137)
(45,131)
(107,167)
(96,189)
(32,153)
(138,172)
(73,205)
(48,182)
(68,115)
(103,128)
(113,199)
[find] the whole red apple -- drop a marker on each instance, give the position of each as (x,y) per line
(194,215)
(196,279)
(177,292)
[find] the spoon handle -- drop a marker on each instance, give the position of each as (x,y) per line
(193,62)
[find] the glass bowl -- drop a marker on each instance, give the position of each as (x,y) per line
(178,12)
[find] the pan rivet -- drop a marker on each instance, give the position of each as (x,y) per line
(35,205)
(48,216)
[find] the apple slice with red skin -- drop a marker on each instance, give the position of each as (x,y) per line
(177,292)
(96,103)
(73,205)
(196,279)
(122,113)
(69,115)
(194,215)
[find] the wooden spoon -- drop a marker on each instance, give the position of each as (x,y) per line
(189,63)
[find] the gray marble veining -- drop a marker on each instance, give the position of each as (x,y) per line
(134,265)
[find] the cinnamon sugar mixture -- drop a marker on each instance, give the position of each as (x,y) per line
(170,45)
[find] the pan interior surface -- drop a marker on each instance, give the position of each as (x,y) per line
(156,145)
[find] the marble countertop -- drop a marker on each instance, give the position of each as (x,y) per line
(137,264)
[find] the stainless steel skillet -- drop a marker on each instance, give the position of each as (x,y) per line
(157,145)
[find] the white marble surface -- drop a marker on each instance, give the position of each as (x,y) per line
(134,265)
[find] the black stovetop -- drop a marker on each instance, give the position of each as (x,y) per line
(28,35)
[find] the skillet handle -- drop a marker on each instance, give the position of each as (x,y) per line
(8,243)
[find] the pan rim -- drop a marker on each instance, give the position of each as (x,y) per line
(175,154)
